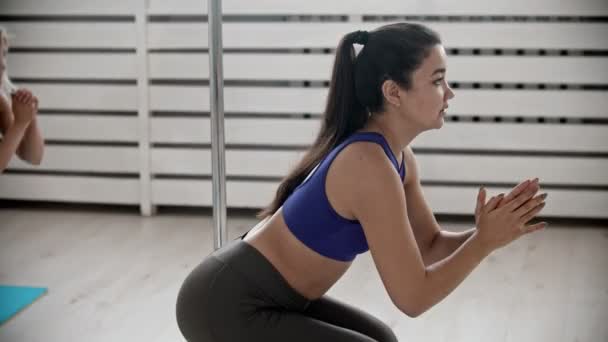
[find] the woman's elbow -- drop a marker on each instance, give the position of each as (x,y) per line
(412,308)
(414,305)
(37,158)
(3,163)
(36,162)
(409,302)
(32,157)
(411,312)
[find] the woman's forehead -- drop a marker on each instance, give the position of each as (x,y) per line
(436,60)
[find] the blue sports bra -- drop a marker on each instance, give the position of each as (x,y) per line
(311,218)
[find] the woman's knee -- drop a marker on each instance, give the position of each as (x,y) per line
(386,334)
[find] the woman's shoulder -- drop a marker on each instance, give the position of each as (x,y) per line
(361,172)
(410,164)
(365,160)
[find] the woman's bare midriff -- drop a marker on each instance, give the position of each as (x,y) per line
(308,272)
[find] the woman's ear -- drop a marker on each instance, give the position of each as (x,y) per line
(391,92)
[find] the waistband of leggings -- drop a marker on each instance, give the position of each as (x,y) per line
(249,262)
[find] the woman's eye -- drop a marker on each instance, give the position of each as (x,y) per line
(438,82)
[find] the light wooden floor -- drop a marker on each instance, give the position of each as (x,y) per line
(113,276)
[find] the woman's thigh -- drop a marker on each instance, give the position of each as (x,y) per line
(276,325)
(237,311)
(218,303)
(325,319)
(343,315)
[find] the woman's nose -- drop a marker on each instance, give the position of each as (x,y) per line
(450,93)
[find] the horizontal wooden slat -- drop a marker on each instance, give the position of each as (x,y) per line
(89,128)
(84,159)
(513,169)
(199,192)
(510,103)
(84,96)
(237,131)
(560,203)
(67,7)
(70,35)
(503,35)
(434,167)
(73,66)
(69,189)
(530,103)
(517,137)
(179,161)
(275,66)
(476,136)
(528,69)
(389,7)
(443,200)
(268,66)
(239,99)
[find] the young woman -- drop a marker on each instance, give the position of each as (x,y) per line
(18,124)
(357,189)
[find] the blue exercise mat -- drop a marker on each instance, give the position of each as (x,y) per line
(15,298)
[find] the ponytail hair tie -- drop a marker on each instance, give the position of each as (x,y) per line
(361,37)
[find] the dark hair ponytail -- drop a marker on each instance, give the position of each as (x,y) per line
(390,52)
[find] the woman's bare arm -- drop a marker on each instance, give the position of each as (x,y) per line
(380,205)
(11,133)
(445,243)
(434,242)
(10,143)
(31,148)
(19,121)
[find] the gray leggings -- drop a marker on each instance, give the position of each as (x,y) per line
(236,295)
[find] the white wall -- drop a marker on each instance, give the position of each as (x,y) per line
(125,106)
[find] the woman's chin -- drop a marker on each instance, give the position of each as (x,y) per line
(440,121)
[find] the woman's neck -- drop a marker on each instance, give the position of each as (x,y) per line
(397,134)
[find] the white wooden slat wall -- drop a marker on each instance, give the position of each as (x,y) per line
(387,7)
(125,104)
(280,67)
(279,100)
(79,58)
(457,34)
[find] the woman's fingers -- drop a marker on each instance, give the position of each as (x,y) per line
(28,96)
(481,200)
(493,203)
(534,227)
(19,95)
(517,190)
(522,197)
(530,204)
(530,215)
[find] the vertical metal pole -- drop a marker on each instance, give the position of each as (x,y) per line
(216,88)
(143,113)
